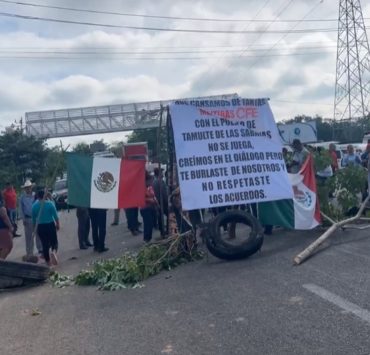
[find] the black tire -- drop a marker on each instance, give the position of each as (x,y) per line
(233,254)
(223,250)
(7,282)
(24,270)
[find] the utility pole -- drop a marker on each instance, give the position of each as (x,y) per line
(352,85)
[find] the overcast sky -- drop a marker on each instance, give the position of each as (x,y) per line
(100,65)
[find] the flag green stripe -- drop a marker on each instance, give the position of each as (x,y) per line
(79,169)
(277,213)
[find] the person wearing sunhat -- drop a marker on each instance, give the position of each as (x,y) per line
(26,201)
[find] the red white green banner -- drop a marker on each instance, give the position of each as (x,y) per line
(301,212)
(105,182)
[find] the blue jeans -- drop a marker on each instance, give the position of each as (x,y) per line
(148,221)
(12,213)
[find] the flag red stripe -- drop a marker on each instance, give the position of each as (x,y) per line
(132,184)
(309,180)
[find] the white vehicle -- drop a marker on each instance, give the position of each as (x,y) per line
(366,138)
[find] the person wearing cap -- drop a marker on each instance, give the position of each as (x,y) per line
(10,203)
(26,201)
(299,156)
(6,231)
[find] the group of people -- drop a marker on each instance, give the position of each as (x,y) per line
(153,212)
(8,219)
(40,220)
(294,161)
(41,223)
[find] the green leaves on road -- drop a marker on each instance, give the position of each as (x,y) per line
(129,270)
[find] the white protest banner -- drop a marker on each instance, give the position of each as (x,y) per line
(228,152)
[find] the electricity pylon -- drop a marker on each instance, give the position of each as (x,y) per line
(352,85)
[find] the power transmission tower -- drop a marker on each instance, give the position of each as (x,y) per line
(352,86)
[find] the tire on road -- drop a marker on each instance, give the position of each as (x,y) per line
(223,250)
(24,270)
(8,282)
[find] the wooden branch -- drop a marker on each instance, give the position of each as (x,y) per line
(328,218)
(312,247)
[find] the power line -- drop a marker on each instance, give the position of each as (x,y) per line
(115,13)
(157,58)
(302,102)
(165,47)
(161,29)
(155,52)
(290,31)
(281,11)
(248,25)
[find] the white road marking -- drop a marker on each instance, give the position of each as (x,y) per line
(339,302)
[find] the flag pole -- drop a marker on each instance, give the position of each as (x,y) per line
(159,144)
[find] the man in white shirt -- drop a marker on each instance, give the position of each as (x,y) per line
(299,156)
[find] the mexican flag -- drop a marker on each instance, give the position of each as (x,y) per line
(105,182)
(301,212)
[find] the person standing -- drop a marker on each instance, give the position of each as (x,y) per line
(351,159)
(6,231)
(26,201)
(45,216)
(149,210)
(133,223)
(10,203)
(160,191)
(98,219)
(116,214)
(83,229)
(300,155)
(365,155)
(334,157)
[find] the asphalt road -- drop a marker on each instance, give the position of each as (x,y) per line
(261,305)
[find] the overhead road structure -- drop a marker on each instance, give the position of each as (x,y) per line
(101,119)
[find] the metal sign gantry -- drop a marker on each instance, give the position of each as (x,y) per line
(100,119)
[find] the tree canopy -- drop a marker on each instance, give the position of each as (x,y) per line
(22,157)
(157,143)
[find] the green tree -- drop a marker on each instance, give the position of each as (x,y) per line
(98,146)
(116,149)
(56,165)
(82,148)
(157,146)
(21,157)
(324,129)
